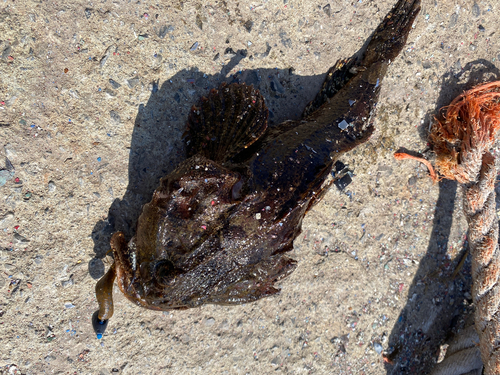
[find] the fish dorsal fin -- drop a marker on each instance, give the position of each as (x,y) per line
(229,120)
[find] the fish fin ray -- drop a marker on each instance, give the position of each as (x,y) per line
(229,120)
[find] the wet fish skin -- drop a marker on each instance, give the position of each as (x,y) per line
(218,227)
(349,80)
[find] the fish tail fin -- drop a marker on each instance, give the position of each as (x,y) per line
(229,120)
(390,36)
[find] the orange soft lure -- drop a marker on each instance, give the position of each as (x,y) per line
(404,155)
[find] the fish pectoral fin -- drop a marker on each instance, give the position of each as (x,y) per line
(226,122)
(257,281)
(247,291)
(336,78)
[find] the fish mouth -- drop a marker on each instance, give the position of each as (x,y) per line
(129,281)
(127,277)
(135,282)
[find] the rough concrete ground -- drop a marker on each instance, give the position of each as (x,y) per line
(94,97)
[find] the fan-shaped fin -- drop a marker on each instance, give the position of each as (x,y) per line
(231,118)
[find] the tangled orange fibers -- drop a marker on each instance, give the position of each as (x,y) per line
(466,132)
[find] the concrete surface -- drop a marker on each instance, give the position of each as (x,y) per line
(94,97)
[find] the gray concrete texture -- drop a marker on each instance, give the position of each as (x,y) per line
(94,98)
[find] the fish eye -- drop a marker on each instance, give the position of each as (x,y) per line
(164,272)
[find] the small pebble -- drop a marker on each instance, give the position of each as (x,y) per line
(476,11)
(132,82)
(209,322)
(7,220)
(378,348)
(114,84)
(453,20)
(115,117)
(328,10)
(52,186)
(164,30)
(20,239)
(248,25)
(343,124)
(5,176)
(67,283)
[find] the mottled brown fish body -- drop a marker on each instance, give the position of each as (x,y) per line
(217,228)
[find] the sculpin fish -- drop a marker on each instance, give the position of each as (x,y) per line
(218,227)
